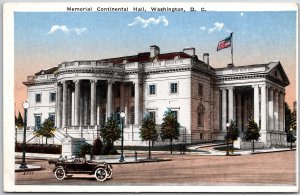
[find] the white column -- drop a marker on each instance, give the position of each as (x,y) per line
(136,102)
(245,112)
(126,115)
(263,108)
(77,103)
(73,109)
(239,111)
(276,110)
(98,115)
(230,104)
(256,104)
(64,111)
(58,106)
(224,109)
(93,102)
(122,97)
(271,109)
(280,112)
(109,99)
(283,117)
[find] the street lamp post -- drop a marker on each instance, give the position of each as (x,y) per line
(122,115)
(23,164)
(227,150)
(291,137)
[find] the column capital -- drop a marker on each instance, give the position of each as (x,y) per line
(254,86)
(230,88)
(263,85)
(76,81)
(93,81)
(110,81)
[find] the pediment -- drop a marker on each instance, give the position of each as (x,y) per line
(277,74)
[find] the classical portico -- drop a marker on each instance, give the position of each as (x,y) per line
(90,91)
(260,96)
(88,103)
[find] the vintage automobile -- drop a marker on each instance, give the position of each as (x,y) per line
(64,168)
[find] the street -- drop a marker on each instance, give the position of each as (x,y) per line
(260,169)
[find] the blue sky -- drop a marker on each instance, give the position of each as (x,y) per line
(259,37)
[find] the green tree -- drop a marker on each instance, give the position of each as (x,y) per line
(47,130)
(85,149)
(288,115)
(252,132)
(148,132)
(110,133)
(170,128)
(293,122)
(233,132)
(20,122)
(16,121)
(97,147)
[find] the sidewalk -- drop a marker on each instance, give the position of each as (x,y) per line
(212,152)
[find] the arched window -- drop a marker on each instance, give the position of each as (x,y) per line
(132,115)
(200,115)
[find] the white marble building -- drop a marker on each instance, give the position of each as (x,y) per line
(79,95)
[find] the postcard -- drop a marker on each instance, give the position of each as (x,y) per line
(150,97)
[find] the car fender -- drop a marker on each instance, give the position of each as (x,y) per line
(58,167)
(95,168)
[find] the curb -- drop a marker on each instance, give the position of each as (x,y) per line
(273,151)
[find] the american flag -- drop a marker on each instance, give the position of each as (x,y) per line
(224,43)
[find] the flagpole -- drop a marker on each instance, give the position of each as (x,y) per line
(232,48)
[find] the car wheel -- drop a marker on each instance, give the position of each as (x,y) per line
(60,173)
(101,174)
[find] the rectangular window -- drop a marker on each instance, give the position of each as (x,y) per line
(37,122)
(152,115)
(52,117)
(152,89)
(52,97)
(200,89)
(175,113)
(38,98)
(173,88)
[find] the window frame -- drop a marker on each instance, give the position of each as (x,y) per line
(152,111)
(40,99)
(35,121)
(149,89)
(170,88)
(51,114)
(177,113)
(50,99)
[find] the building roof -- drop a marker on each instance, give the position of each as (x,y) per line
(47,71)
(145,57)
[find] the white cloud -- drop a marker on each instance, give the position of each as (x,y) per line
(203,28)
(217,27)
(227,30)
(150,21)
(65,29)
(80,30)
(242,14)
(55,28)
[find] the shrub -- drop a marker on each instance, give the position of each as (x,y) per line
(85,149)
(97,146)
(39,148)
